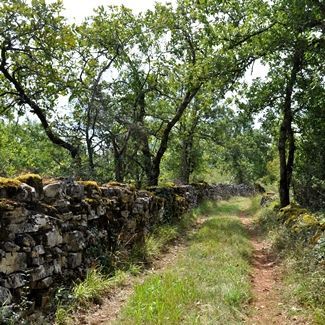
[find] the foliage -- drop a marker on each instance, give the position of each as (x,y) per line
(309,177)
(25,148)
(95,285)
(165,95)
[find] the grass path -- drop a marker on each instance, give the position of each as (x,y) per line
(209,281)
(222,273)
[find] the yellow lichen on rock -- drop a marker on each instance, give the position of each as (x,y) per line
(89,185)
(9,183)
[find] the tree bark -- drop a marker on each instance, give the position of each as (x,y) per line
(286,143)
(186,161)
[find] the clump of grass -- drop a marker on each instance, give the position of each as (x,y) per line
(209,284)
(88,291)
(95,285)
(157,241)
(62,316)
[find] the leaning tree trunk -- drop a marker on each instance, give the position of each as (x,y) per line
(286,143)
(155,169)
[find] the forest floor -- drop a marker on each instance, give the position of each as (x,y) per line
(231,275)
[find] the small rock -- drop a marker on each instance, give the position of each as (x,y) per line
(13,262)
(15,280)
(11,247)
(53,238)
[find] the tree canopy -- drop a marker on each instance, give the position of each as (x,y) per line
(165,95)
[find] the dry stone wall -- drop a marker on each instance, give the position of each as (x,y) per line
(48,234)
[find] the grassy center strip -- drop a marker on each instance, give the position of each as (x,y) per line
(208,284)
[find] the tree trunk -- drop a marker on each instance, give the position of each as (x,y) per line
(90,153)
(119,168)
(155,168)
(186,160)
(286,143)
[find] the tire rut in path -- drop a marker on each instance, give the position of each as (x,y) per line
(267,304)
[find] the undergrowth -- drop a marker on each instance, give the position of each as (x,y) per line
(298,239)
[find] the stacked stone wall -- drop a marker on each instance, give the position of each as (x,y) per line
(47,232)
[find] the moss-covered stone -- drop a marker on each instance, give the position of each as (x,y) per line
(167,184)
(33,180)
(9,187)
(9,183)
(91,188)
(89,185)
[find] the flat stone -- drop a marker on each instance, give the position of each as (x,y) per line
(25,227)
(62,205)
(15,280)
(42,284)
(13,262)
(74,240)
(101,210)
(57,266)
(76,191)
(41,272)
(125,213)
(54,190)
(28,193)
(17,215)
(53,238)
(27,249)
(37,261)
(39,249)
(11,247)
(43,221)
(66,216)
(2,254)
